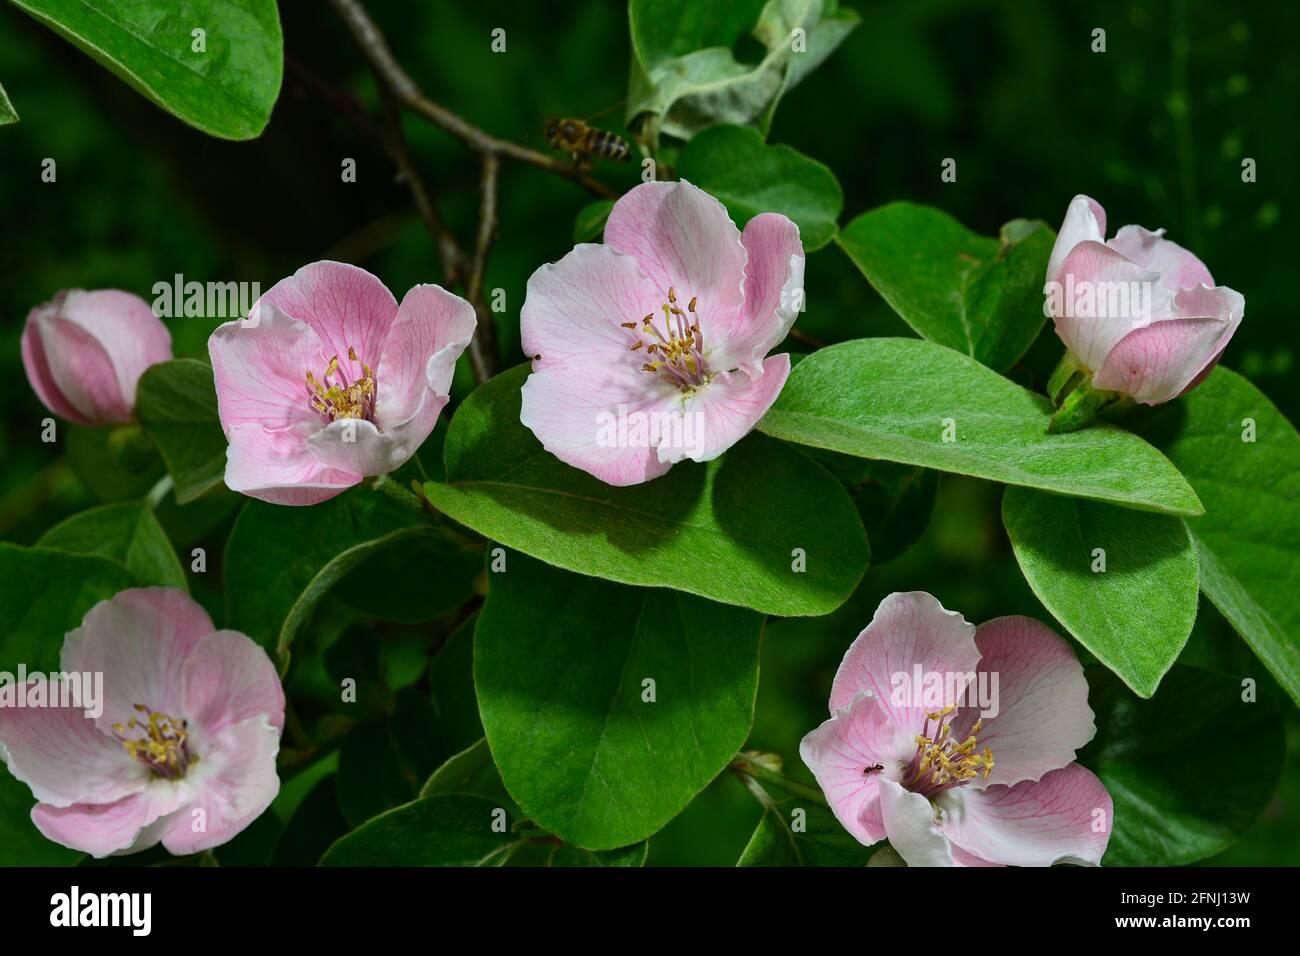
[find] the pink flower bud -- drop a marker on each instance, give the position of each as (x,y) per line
(84,353)
(1141,313)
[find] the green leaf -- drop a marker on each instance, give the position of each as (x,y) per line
(589,224)
(126,533)
(634,855)
(560,664)
(450,829)
(1188,770)
(281,561)
(43,595)
(743,514)
(797,830)
(412,580)
(7,112)
(894,501)
(750,177)
(176,403)
(976,294)
(693,80)
(1249,537)
(1134,604)
(21,844)
(895,399)
(470,771)
(451,680)
(227,90)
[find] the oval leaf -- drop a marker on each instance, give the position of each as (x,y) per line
(979,295)
(1243,458)
(902,399)
(126,533)
(560,665)
(227,88)
(725,530)
(1124,583)
(750,177)
(176,403)
(452,829)
(1142,753)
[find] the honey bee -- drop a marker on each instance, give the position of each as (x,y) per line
(582,142)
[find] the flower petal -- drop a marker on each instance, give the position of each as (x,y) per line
(1159,362)
(576,412)
(1064,817)
(41,376)
(65,757)
(128,825)
(726,410)
(139,639)
(432,329)
(126,327)
(80,370)
(234,783)
(773,293)
(1041,697)
(229,679)
(1085,221)
(839,753)
(1098,269)
(683,239)
(355,446)
(573,309)
(908,629)
(277,466)
(260,368)
(1178,268)
(911,827)
(344,304)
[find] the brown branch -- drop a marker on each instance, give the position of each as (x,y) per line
(409,94)
(449,252)
(483,346)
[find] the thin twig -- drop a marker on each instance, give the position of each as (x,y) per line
(483,346)
(449,252)
(409,94)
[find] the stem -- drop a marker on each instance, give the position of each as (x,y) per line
(1064,378)
(483,346)
(398,493)
(1080,407)
(745,764)
(158,492)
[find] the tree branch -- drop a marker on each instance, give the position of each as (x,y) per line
(483,346)
(409,94)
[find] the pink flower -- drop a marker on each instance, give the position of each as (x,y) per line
(1140,312)
(650,348)
(184,750)
(945,785)
(330,380)
(84,353)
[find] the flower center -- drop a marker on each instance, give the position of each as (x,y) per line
(676,354)
(940,762)
(334,397)
(159,742)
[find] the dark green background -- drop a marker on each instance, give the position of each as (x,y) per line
(1155,128)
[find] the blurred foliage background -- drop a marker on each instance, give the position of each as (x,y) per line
(1156,128)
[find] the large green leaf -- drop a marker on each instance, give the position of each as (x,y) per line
(7,112)
(281,561)
(1123,582)
(452,829)
(43,595)
(126,533)
(1249,536)
(176,403)
(896,398)
(726,530)
(634,855)
(1188,770)
(561,665)
(797,831)
(685,75)
(979,295)
(750,177)
(227,90)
